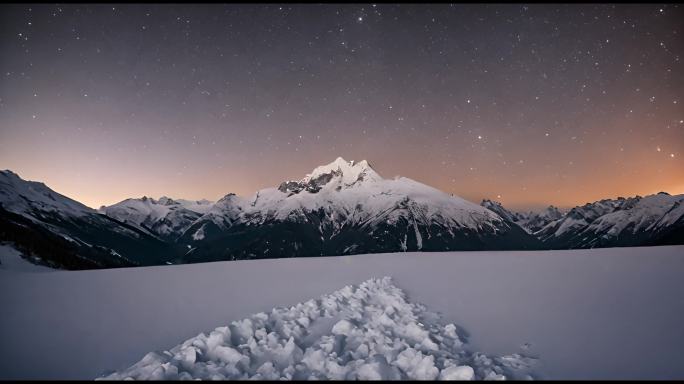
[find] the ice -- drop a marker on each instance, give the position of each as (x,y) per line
(379,335)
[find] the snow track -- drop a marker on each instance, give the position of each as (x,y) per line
(369,332)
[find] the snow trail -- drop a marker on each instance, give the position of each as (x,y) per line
(369,332)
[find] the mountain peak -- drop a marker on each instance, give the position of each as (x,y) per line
(340,172)
(228,197)
(499,209)
(349,171)
(7,172)
(488,202)
(164,200)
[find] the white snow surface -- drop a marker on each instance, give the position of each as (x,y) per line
(369,332)
(11,260)
(614,313)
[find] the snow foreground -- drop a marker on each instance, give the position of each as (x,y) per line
(369,332)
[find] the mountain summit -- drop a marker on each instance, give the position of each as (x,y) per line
(346,208)
(349,171)
(338,174)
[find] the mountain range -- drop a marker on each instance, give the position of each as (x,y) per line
(339,208)
(57,231)
(636,221)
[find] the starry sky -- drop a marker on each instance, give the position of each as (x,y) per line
(529,105)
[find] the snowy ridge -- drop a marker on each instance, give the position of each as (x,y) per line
(31,198)
(225,211)
(616,222)
(534,221)
(651,220)
(497,208)
(369,332)
(529,221)
(200,206)
(164,217)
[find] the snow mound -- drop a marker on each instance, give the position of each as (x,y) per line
(369,332)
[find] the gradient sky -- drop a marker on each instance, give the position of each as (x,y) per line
(526,104)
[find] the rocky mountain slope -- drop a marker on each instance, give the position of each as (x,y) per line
(63,233)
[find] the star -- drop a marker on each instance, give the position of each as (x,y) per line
(396,94)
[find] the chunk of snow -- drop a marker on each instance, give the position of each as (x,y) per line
(463,372)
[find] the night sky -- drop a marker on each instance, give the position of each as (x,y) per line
(529,105)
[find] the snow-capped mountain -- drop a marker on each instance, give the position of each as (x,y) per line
(34,200)
(67,234)
(339,208)
(529,221)
(534,221)
(217,219)
(499,209)
(346,208)
(650,220)
(166,218)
